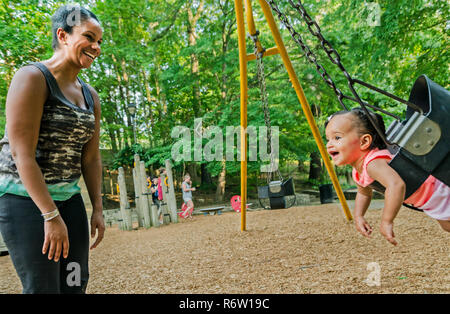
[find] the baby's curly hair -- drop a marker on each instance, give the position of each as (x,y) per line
(364,125)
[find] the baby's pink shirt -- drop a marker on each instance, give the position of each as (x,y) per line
(417,199)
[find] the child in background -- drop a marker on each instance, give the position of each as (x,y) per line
(155,194)
(160,192)
(352,140)
(187,194)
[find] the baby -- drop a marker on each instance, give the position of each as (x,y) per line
(352,140)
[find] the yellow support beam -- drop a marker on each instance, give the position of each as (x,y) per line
(243,59)
(268,52)
(244,98)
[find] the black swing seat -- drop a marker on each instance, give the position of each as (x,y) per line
(423,139)
(276,191)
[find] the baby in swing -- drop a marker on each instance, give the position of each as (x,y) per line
(352,140)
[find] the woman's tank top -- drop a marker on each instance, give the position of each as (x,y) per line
(64,130)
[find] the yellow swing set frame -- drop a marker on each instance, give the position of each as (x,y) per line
(243,60)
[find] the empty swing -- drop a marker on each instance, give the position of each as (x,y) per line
(419,142)
(279,192)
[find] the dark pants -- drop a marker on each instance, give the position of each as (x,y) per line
(22,228)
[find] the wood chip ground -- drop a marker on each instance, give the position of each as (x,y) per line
(309,249)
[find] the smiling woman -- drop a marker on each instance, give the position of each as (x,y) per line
(51,139)
(79,29)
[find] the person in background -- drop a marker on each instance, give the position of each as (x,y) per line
(187,189)
(155,194)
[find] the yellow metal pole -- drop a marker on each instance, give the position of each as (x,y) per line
(250,20)
(251,24)
(244,96)
(268,52)
(305,106)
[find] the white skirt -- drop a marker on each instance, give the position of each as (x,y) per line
(438,206)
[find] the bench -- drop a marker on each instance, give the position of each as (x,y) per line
(212,210)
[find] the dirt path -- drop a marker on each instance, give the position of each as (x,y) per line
(299,250)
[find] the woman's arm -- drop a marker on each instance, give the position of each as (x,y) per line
(24,107)
(91,168)
(394,195)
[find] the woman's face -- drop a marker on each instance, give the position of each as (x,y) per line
(82,46)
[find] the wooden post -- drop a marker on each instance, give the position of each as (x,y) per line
(144,195)
(127,223)
(111,183)
(137,193)
(171,199)
(154,215)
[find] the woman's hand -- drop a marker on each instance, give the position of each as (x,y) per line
(97,223)
(363,226)
(387,230)
(56,239)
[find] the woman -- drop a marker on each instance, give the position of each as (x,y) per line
(51,138)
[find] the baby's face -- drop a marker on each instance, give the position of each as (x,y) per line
(343,140)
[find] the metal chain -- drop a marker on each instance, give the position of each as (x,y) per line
(265,105)
(312,58)
(332,54)
(335,58)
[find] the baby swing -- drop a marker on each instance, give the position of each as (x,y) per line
(277,193)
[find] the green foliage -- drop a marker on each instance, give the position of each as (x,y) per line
(149,58)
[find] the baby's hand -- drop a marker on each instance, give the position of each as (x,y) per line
(363,226)
(387,230)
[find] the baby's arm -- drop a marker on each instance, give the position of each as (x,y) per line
(394,195)
(362,202)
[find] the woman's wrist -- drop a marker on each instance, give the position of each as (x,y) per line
(50,215)
(97,209)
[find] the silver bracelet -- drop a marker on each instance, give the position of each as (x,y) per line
(50,215)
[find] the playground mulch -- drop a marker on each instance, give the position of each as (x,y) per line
(309,249)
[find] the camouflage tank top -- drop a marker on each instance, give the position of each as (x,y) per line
(64,130)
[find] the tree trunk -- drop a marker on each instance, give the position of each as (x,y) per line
(192,170)
(205,175)
(315,167)
(192,41)
(301,166)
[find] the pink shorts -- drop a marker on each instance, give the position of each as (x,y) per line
(438,206)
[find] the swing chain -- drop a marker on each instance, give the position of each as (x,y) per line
(312,58)
(335,58)
(259,53)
